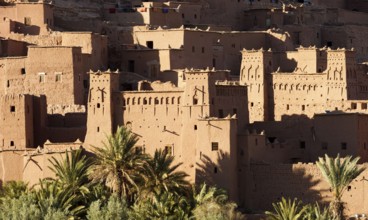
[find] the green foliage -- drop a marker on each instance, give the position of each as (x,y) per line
(118,183)
(314,212)
(13,189)
(212,203)
(339,173)
(71,172)
(115,209)
(287,210)
(163,205)
(51,196)
(118,163)
(22,208)
(160,175)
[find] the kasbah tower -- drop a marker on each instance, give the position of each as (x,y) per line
(247,95)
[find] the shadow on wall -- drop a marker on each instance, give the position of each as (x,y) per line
(213,172)
(27,29)
(269,183)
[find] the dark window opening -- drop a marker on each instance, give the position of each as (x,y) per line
(271,139)
(214,62)
(324,145)
(11,143)
(202,49)
(195,101)
(329,43)
(131,65)
(221,113)
(98,105)
(12,108)
(195,127)
(214,146)
(344,145)
(98,129)
(138,149)
(149,44)
(303,107)
(168,150)
(193,49)
(85,83)
(215,170)
(302,144)
(8,84)
(235,111)
(23,71)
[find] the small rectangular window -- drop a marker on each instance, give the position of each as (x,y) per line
(221,113)
(138,149)
(214,146)
(324,145)
(169,150)
(12,108)
(149,44)
(85,83)
(41,77)
(302,144)
(364,106)
(202,49)
(344,145)
(27,21)
(353,106)
(57,77)
(23,71)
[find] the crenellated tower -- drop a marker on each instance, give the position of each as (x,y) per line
(256,69)
(104,86)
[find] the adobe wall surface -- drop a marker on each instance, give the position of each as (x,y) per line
(29,18)
(39,75)
(268,183)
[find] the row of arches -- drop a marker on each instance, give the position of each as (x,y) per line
(151,101)
(291,87)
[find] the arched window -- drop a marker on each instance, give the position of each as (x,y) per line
(157,101)
(173,100)
(133,101)
(178,100)
(150,101)
(144,101)
(139,101)
(128,101)
(167,100)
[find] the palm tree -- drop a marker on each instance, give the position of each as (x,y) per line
(163,205)
(212,203)
(13,189)
(161,175)
(52,197)
(315,212)
(118,164)
(286,210)
(72,172)
(339,173)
